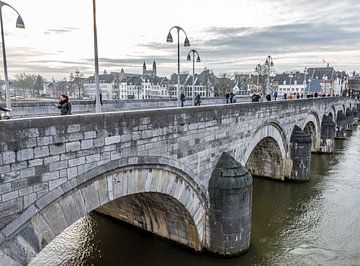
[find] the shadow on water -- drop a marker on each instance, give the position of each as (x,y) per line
(285,228)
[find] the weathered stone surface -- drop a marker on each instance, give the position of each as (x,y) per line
(300,153)
(341,124)
(328,129)
(230,196)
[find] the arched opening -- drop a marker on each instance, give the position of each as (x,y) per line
(310,129)
(157,213)
(266,160)
(158,198)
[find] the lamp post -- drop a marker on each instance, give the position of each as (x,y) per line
(257,70)
(186,43)
(97,82)
(291,76)
(78,75)
(268,64)
(19,24)
(305,73)
(193,78)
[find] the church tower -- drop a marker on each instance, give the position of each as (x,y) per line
(144,68)
(154,69)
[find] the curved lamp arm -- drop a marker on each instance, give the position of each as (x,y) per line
(19,21)
(178,28)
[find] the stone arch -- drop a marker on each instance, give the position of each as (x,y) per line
(333,113)
(179,210)
(312,127)
(266,152)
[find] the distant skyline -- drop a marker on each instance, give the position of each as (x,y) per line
(230,35)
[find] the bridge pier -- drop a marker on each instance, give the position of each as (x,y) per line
(300,152)
(328,128)
(349,120)
(355,116)
(341,124)
(230,193)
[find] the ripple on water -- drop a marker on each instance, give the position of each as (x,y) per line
(72,246)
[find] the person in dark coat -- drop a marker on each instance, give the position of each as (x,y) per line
(275,95)
(182,99)
(101,102)
(231,97)
(64,105)
(197,99)
(227,96)
(255,97)
(268,97)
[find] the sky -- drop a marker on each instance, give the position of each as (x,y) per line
(230,35)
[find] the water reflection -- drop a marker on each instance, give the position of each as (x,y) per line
(293,223)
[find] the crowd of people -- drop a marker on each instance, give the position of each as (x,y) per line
(257,97)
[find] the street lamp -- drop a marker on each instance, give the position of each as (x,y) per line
(305,73)
(193,78)
(186,43)
(78,75)
(257,70)
(290,76)
(19,24)
(268,64)
(97,82)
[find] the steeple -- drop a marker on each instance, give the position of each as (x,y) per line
(144,68)
(154,69)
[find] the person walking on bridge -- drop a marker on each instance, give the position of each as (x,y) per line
(64,105)
(197,99)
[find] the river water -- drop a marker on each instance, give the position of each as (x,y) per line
(313,223)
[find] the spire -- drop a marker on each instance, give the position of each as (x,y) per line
(154,69)
(144,68)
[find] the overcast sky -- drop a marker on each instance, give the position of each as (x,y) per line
(230,35)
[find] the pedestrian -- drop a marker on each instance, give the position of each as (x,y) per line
(255,97)
(227,96)
(275,95)
(231,97)
(268,97)
(182,99)
(101,102)
(197,99)
(64,105)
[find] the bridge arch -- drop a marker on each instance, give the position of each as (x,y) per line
(158,198)
(312,126)
(266,153)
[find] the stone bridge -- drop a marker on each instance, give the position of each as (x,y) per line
(175,172)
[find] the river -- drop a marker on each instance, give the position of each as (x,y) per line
(313,223)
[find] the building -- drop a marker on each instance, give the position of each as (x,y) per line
(331,81)
(289,83)
(204,84)
(108,86)
(354,86)
(145,86)
(152,73)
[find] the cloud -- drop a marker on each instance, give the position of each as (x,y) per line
(60,30)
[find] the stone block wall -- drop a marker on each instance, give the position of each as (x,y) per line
(43,158)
